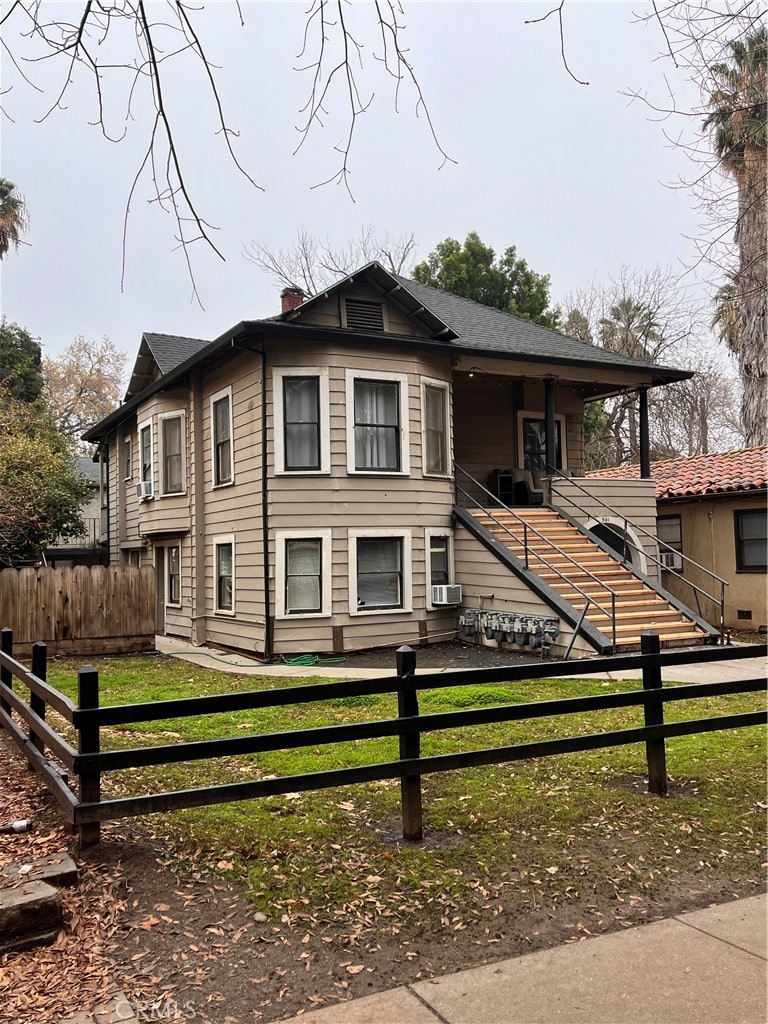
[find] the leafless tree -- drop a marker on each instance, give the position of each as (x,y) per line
(314,264)
(648,315)
(720,46)
(128,47)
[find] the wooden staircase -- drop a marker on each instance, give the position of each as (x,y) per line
(638,606)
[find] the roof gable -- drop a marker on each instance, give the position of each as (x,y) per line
(375,282)
(159,354)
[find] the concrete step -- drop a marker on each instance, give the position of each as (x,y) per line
(30,915)
(56,869)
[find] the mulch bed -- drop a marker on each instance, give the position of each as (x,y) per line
(179,940)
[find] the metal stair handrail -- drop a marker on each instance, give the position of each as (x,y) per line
(526,528)
(720,602)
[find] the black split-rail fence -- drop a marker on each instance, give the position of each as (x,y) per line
(26,725)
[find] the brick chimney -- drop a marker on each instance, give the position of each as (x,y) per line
(291,298)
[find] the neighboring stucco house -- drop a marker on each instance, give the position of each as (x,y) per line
(90,546)
(368,467)
(712,509)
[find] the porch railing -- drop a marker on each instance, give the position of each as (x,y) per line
(717,599)
(89,538)
(527,530)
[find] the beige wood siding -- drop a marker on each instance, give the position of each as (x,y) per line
(328,312)
(166,515)
(487,584)
(634,500)
(486,423)
(347,501)
(236,508)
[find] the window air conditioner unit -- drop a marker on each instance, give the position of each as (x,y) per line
(144,490)
(450,594)
(672,560)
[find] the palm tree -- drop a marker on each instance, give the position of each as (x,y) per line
(738,122)
(725,320)
(14,219)
(632,329)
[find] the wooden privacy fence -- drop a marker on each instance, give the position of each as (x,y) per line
(80,610)
(88,762)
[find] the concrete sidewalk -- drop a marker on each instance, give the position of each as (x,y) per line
(706,967)
(700,673)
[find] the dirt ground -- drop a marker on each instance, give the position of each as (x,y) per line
(452,654)
(179,940)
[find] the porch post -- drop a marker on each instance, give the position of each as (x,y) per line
(550,427)
(645,442)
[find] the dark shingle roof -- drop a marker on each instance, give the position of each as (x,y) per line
(170,349)
(88,468)
(491,330)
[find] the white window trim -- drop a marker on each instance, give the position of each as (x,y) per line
(228,538)
(404,411)
(127,440)
(224,393)
(140,428)
(326,556)
(445,387)
(429,533)
(530,414)
(168,602)
(176,414)
(406,536)
(278,375)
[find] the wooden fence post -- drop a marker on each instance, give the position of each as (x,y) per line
(88,743)
(655,750)
(37,703)
(6,646)
(410,744)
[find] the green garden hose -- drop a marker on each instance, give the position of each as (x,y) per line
(307,660)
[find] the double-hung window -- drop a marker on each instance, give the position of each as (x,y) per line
(145,457)
(301,425)
(751,529)
(434,414)
(221,437)
(173,569)
(172,445)
(127,458)
(224,574)
(302,420)
(303,573)
(380,570)
(670,534)
(377,423)
(439,555)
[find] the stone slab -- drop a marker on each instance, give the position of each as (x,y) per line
(117,1011)
(28,910)
(398,1006)
(663,972)
(57,869)
(743,923)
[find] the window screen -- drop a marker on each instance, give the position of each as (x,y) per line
(379,572)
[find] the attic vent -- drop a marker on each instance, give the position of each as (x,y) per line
(364,316)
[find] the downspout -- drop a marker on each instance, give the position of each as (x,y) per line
(265,511)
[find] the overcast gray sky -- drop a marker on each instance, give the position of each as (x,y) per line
(574,176)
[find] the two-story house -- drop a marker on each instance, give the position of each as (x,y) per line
(380,463)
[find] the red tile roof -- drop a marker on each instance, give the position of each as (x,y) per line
(717,473)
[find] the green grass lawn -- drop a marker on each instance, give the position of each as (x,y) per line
(569,827)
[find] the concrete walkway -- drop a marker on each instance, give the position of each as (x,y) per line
(706,967)
(241,663)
